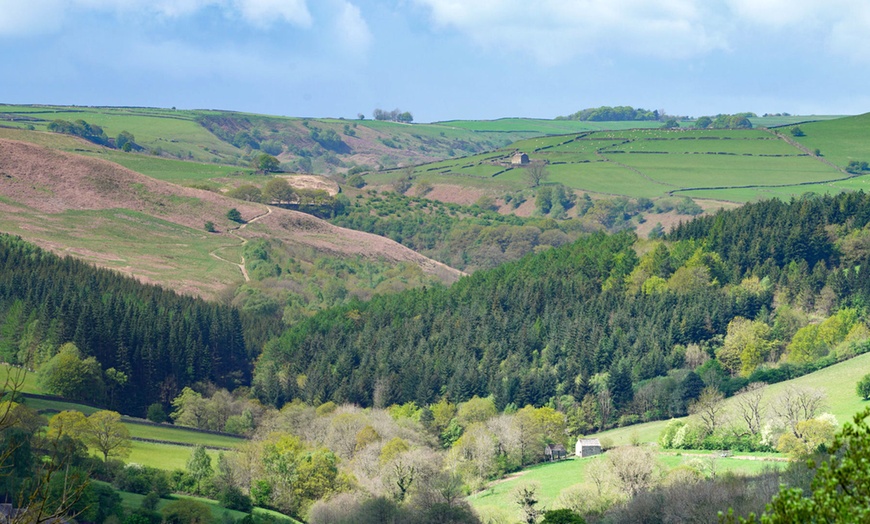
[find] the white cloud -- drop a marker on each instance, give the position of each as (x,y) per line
(351,28)
(553,31)
(841,26)
(18,18)
(24,17)
(263,13)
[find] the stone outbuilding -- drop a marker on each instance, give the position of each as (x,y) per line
(519,159)
(555,452)
(586,447)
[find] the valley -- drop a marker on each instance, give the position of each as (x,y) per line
(396,318)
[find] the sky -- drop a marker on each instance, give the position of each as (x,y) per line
(440,59)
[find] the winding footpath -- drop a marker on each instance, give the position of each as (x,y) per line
(234,232)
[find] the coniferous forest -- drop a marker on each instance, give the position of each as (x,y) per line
(158,340)
(607,307)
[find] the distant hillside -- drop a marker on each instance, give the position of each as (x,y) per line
(116,218)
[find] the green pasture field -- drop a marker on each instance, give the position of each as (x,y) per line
(752,194)
(837,381)
(554,477)
(543,127)
(839,141)
(703,171)
(168,433)
(116,237)
(163,456)
(182,435)
(854,184)
(134,500)
(737,146)
(46,139)
(175,132)
(606,178)
(176,171)
(532,144)
(585,145)
(11,374)
(774,121)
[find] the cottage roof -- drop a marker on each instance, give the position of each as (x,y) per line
(589,442)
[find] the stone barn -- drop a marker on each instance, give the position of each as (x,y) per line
(586,447)
(519,159)
(555,452)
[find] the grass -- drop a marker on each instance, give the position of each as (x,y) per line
(556,477)
(158,249)
(28,385)
(163,456)
(132,501)
(837,381)
(840,141)
(176,171)
(713,163)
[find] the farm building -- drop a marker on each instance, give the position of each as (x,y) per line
(586,447)
(519,158)
(555,452)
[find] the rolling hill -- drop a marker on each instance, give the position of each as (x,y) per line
(120,219)
(722,165)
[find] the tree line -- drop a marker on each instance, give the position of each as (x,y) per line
(158,340)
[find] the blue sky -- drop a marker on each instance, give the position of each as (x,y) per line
(440,59)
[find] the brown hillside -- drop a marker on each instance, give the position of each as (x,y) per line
(39,185)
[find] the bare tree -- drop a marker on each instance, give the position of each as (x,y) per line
(797,404)
(536,173)
(750,406)
(708,407)
(635,468)
(605,406)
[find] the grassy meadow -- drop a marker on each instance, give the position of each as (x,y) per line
(159,250)
(726,164)
(837,381)
(556,477)
(132,501)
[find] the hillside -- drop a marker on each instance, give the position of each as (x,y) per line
(719,165)
(153,230)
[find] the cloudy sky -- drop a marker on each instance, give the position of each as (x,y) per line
(440,59)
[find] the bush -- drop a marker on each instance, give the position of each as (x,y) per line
(209,226)
(863,387)
(232,497)
(156,413)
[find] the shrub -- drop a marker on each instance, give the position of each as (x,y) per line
(209,226)
(863,387)
(156,413)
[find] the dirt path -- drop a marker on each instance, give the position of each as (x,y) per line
(234,232)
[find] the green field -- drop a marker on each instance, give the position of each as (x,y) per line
(10,374)
(133,500)
(158,455)
(718,164)
(839,141)
(159,249)
(837,381)
(555,477)
(177,171)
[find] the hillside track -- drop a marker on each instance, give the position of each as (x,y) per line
(234,232)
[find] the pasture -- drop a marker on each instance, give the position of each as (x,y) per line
(717,164)
(132,501)
(837,381)
(554,478)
